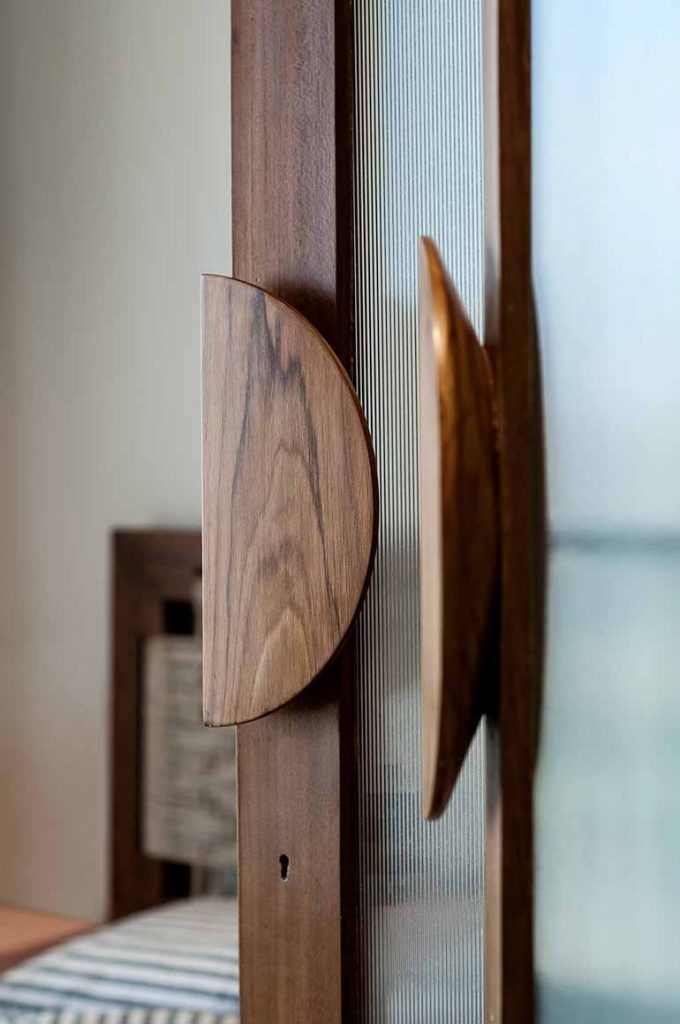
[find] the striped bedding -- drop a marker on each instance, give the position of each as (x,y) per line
(174,965)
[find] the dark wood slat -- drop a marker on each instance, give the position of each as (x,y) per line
(512,336)
(284,185)
(292,235)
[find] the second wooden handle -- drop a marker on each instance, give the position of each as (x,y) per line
(458,527)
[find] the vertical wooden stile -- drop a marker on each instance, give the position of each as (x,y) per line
(511,336)
(292,225)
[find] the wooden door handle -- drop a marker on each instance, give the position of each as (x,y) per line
(289,502)
(458,527)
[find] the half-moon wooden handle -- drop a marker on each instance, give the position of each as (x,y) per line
(458,527)
(289,502)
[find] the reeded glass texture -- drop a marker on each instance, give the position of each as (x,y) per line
(418,122)
(606,215)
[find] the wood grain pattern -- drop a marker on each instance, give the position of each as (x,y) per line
(289,491)
(292,216)
(511,337)
(285,172)
(297,991)
(458,527)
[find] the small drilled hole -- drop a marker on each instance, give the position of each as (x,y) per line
(284,862)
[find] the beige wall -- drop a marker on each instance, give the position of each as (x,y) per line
(113,199)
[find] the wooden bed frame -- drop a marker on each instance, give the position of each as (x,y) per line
(154,573)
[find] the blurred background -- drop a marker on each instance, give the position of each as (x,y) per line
(114,198)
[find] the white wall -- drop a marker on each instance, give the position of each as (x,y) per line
(113,199)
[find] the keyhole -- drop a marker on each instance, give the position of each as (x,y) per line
(284,862)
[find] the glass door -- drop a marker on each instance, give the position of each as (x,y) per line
(606,227)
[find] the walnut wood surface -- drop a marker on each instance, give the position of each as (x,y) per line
(292,231)
(288,502)
(511,340)
(458,527)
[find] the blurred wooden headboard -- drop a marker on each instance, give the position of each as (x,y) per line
(154,573)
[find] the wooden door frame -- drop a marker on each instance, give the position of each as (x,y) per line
(292,235)
(292,195)
(512,722)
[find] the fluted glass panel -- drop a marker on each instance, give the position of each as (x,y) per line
(418,122)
